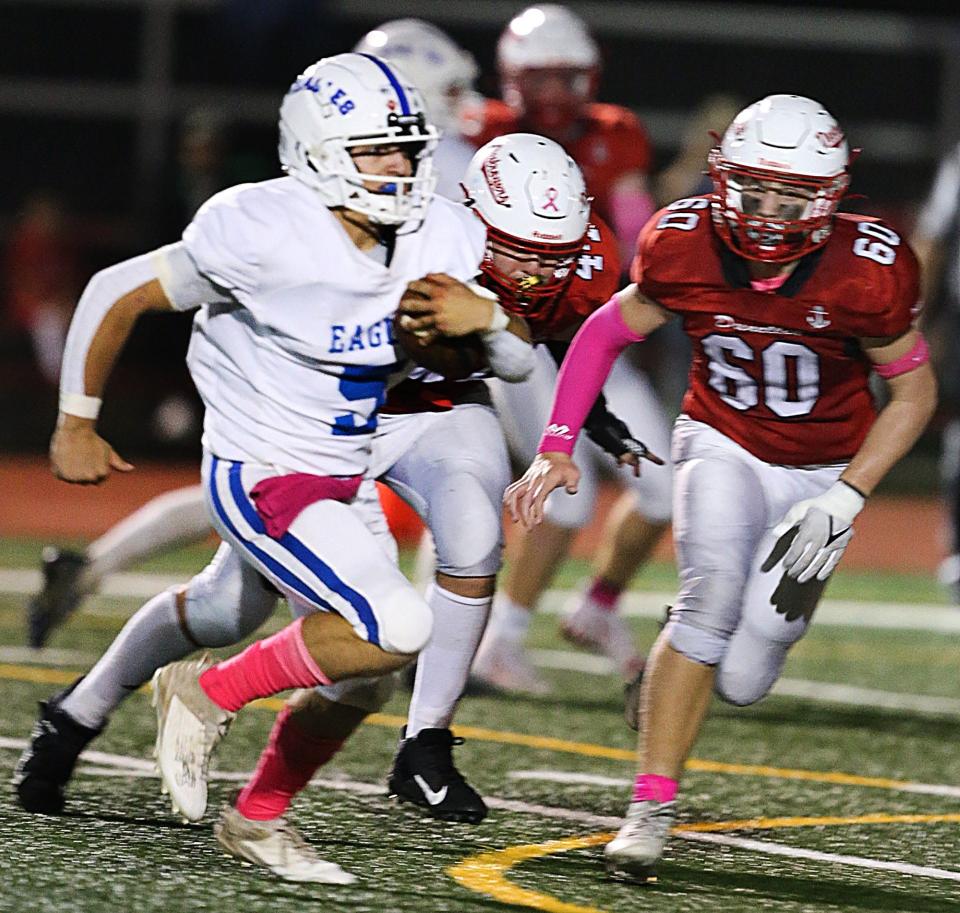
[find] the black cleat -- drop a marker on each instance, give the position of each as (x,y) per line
(59,596)
(423,773)
(47,763)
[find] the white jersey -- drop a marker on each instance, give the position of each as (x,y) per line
(293,369)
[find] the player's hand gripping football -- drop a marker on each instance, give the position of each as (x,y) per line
(822,528)
(79,455)
(439,304)
(525,497)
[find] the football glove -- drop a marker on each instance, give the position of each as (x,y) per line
(823,528)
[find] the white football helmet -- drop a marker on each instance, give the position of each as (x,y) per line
(795,143)
(353,100)
(531,197)
(442,70)
(548,37)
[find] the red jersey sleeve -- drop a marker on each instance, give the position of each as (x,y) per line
(879,276)
(594,282)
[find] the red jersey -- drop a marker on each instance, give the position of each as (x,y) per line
(781,373)
(611,142)
(596,279)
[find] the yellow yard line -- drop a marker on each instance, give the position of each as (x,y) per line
(762,824)
(545,743)
(486,873)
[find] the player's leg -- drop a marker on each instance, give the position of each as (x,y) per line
(523,409)
(631,530)
(306,735)
(720,517)
(454,477)
(359,617)
(776,610)
(167,521)
(221,605)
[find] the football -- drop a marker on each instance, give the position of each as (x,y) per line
(453,357)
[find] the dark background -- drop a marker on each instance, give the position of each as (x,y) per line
(94,93)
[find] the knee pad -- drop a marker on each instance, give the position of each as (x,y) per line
(467,528)
(226,602)
(750,668)
(406,622)
(697,644)
(705,616)
(369,694)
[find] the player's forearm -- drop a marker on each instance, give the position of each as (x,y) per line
(897,428)
(592,353)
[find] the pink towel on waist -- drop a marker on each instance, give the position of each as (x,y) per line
(280,499)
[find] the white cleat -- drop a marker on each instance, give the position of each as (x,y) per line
(588,624)
(635,851)
(276,845)
(189,727)
(504,666)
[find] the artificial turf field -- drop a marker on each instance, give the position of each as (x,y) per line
(834,802)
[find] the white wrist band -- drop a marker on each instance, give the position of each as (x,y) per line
(80,405)
(499,320)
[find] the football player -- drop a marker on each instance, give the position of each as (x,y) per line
(549,69)
(522,188)
(790,307)
(445,73)
(297,280)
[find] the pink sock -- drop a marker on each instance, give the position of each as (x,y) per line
(651,786)
(266,667)
(291,758)
(604,594)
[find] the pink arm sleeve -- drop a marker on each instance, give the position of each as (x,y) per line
(592,353)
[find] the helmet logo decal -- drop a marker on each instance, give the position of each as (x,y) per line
(551,200)
(491,171)
(831,138)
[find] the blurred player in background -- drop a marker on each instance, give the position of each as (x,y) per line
(937,242)
(291,389)
(445,74)
(790,308)
(549,69)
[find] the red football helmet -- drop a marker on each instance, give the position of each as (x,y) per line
(779,173)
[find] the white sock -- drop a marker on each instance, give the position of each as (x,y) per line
(175,518)
(150,639)
(443,665)
(509,621)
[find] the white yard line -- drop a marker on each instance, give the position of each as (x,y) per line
(104,764)
(779,849)
(824,692)
(578,778)
(850,613)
